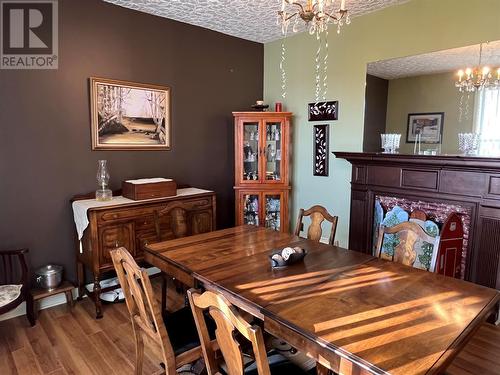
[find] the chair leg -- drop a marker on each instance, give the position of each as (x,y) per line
(80,274)
(30,309)
(97,299)
(139,350)
(163,293)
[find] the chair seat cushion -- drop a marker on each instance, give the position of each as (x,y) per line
(9,293)
(182,331)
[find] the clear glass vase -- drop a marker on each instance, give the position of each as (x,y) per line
(103,193)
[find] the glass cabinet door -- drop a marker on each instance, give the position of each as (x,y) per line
(250,151)
(250,206)
(273,149)
(272,211)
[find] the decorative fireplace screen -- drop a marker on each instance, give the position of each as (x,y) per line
(450,222)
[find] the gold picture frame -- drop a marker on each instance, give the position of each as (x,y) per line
(129,116)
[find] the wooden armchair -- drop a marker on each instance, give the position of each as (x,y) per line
(318,214)
(409,234)
(15,282)
(175,340)
(231,325)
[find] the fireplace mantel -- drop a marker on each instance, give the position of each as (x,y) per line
(468,162)
(472,182)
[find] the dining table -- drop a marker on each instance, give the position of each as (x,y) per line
(351,312)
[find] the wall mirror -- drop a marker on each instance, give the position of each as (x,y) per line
(417,96)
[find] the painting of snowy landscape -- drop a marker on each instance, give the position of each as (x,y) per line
(129,116)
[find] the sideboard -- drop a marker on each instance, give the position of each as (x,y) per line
(131,224)
(469,182)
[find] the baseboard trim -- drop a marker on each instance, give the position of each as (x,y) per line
(56,300)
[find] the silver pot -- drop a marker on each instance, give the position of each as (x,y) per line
(49,276)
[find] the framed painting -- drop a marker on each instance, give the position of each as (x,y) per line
(323,111)
(428,125)
(129,116)
(320,150)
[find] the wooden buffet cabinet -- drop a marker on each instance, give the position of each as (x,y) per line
(132,225)
(471,182)
(262,168)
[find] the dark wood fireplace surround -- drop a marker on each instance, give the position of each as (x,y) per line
(471,182)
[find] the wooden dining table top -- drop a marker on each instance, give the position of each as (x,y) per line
(384,317)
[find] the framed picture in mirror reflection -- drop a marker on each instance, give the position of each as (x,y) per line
(427,126)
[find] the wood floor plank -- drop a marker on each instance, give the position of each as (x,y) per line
(25,362)
(481,355)
(60,371)
(13,330)
(7,365)
(123,339)
(41,346)
(82,346)
(111,354)
(88,324)
(71,361)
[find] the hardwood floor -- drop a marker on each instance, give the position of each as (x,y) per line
(68,342)
(481,356)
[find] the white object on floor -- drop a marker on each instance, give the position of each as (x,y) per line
(9,293)
(113,295)
(148,180)
(81,207)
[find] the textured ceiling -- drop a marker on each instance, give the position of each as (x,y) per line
(248,19)
(437,62)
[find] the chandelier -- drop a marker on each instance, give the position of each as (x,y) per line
(317,14)
(478,78)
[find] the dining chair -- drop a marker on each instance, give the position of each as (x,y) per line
(409,233)
(230,326)
(175,339)
(317,214)
(15,282)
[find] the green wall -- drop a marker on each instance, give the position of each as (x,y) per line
(428,93)
(416,27)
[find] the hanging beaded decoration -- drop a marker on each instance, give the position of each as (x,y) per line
(282,69)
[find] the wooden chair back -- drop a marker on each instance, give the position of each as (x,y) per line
(178,220)
(13,267)
(14,271)
(228,322)
(404,252)
(147,321)
(318,214)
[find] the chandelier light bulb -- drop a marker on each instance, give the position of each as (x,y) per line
(478,78)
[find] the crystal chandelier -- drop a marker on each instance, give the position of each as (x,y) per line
(478,78)
(317,14)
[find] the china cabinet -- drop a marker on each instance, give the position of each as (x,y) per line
(262,178)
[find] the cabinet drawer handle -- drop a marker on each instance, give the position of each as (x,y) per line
(115,216)
(117,244)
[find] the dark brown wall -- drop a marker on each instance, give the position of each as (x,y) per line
(45,140)
(375,112)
